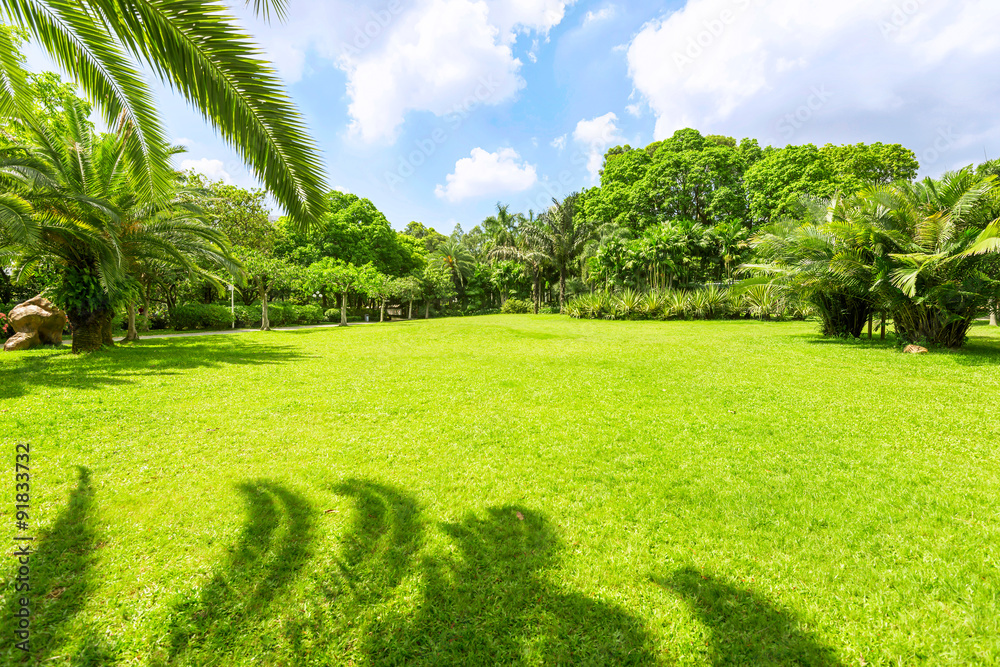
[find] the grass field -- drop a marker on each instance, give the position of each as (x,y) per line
(509,490)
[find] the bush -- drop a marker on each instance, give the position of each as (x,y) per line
(200,316)
(248,316)
(516,307)
(309,314)
(332,315)
(279,314)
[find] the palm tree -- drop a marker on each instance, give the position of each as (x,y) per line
(932,246)
(453,258)
(522,247)
(196,48)
(87,215)
(561,235)
(820,262)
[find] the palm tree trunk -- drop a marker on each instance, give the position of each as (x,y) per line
(91,331)
(265,322)
(132,333)
(562,289)
(537,293)
(343,309)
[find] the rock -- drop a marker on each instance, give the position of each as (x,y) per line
(915,349)
(36,322)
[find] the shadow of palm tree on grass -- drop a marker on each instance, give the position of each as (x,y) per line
(61,584)
(745,628)
(231,619)
(492,605)
(127,364)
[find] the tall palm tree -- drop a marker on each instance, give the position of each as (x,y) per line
(562,235)
(195,47)
(522,246)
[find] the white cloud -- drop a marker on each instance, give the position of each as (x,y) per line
(214,170)
(486,173)
(559,142)
(634,110)
(602,14)
(751,66)
(597,135)
(183,141)
(441,56)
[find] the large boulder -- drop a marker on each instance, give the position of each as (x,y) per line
(36,322)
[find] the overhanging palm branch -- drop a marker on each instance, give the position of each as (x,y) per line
(197,48)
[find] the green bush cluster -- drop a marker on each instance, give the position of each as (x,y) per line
(200,316)
(763,302)
(517,307)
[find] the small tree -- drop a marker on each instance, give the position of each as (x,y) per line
(408,288)
(342,278)
(265,273)
(437,285)
(382,288)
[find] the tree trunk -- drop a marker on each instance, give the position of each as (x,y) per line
(562,290)
(427,310)
(265,322)
(91,331)
(132,333)
(537,293)
(381,316)
(410,316)
(994,306)
(343,309)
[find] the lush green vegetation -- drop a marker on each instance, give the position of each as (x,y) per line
(512,489)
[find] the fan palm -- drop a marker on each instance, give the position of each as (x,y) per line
(195,47)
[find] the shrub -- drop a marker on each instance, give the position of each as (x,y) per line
(332,315)
(248,316)
(185,317)
(279,314)
(516,307)
(309,314)
(629,304)
(200,316)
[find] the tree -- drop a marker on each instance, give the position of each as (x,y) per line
(343,278)
(561,234)
(353,231)
(437,284)
(196,48)
(452,258)
(430,238)
(408,288)
(80,207)
(265,273)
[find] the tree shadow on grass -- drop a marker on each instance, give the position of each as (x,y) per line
(746,629)
(127,364)
(60,585)
(491,604)
(350,588)
(231,614)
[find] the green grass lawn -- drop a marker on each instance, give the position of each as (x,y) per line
(509,490)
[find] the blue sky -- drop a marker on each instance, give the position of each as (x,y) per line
(437,109)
